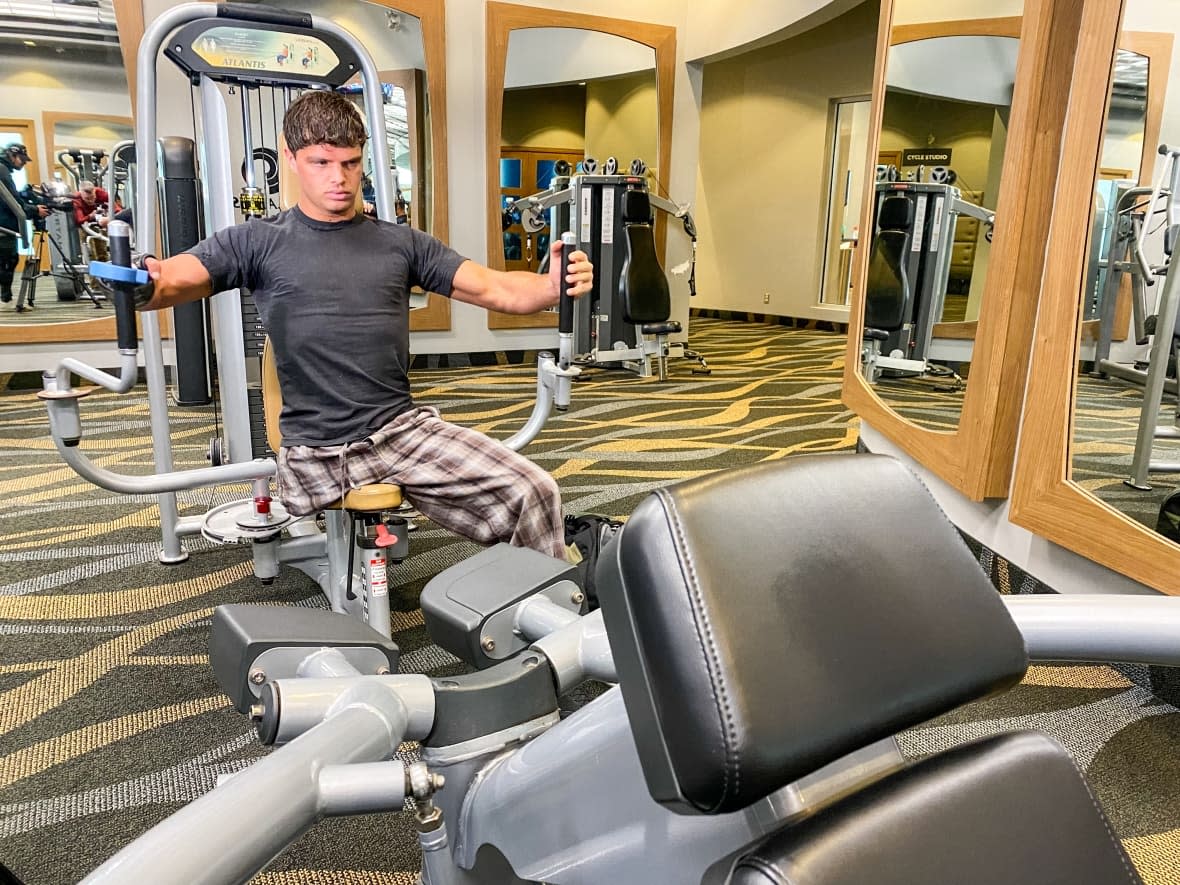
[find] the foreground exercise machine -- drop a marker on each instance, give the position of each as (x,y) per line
(625,320)
(909,268)
(349,559)
(751,698)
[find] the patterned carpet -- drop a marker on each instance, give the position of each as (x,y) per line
(48,308)
(109,715)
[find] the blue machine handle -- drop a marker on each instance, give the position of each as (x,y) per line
(117,273)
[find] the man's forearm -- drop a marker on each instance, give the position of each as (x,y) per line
(176,280)
(524,292)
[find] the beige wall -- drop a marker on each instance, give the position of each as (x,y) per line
(914,121)
(621,119)
(762,190)
(545,117)
(32,85)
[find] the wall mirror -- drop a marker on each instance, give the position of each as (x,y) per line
(940,156)
(564,86)
(1102,467)
(65,86)
(956,106)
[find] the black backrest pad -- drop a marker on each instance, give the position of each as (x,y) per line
(768,620)
(642,284)
(1011,809)
(887,293)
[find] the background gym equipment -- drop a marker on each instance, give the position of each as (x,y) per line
(625,320)
(68,258)
(1165,339)
(708,736)
(909,266)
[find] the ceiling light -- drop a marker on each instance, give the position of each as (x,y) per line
(28,43)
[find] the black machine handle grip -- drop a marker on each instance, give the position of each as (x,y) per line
(267,15)
(565,303)
(126,333)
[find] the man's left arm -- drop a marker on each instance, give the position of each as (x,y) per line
(521,292)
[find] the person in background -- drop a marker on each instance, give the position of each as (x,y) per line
(15,210)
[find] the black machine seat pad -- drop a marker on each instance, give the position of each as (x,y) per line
(669,328)
(1011,809)
(768,620)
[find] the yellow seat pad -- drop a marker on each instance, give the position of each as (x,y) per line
(371,498)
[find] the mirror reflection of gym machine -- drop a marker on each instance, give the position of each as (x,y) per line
(909,268)
(67,262)
(625,320)
(69,255)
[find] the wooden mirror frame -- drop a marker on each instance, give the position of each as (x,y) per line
(502,19)
(436,316)
(977,458)
(129,22)
(1044,499)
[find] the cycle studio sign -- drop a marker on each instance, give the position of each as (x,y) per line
(926,157)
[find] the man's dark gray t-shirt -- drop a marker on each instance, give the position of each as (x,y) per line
(334,297)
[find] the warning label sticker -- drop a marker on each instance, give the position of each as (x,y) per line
(377,577)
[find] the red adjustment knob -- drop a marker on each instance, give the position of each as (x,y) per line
(384,537)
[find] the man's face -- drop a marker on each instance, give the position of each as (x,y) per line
(329,180)
(88,193)
(18,161)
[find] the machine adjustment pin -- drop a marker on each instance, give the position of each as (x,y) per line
(257,712)
(257,676)
(488,644)
(578,598)
(383,670)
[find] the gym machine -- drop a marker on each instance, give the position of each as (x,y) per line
(348,559)
(509,792)
(909,267)
(81,165)
(59,233)
(1162,327)
(624,320)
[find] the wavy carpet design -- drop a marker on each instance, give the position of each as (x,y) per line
(109,715)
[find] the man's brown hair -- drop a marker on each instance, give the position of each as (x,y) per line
(321,116)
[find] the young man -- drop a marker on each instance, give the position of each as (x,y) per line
(14,210)
(332,288)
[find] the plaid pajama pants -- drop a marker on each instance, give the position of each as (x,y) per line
(461,479)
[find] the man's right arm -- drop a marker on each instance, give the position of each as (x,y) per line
(176,280)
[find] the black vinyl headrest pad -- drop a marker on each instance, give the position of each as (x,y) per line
(896,213)
(636,207)
(768,620)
